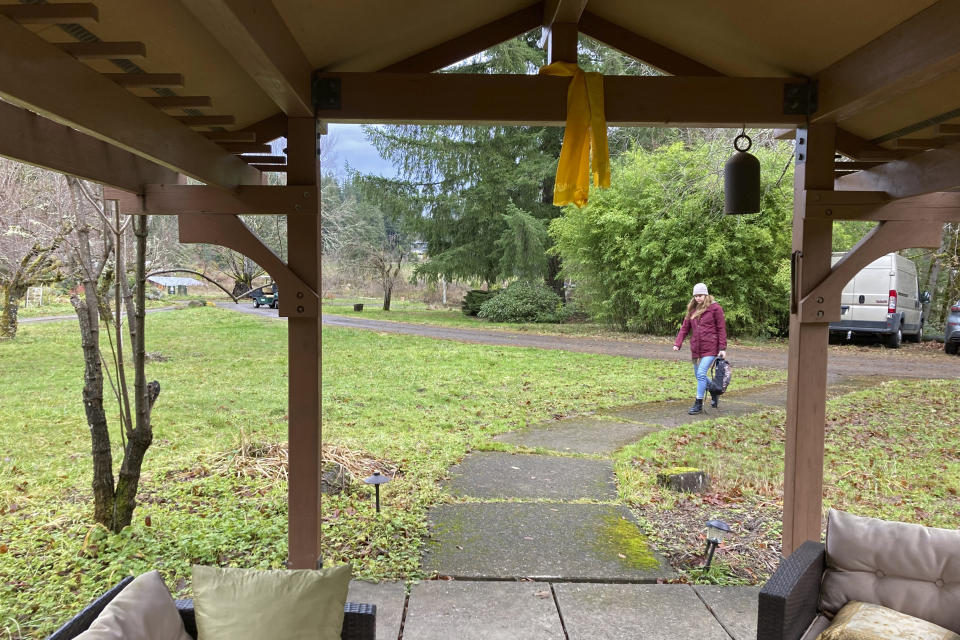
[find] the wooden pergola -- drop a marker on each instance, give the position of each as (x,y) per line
(137,94)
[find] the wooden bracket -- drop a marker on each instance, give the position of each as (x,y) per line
(822,303)
(938,207)
(175,199)
(297,299)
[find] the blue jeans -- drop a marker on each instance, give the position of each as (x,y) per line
(700,369)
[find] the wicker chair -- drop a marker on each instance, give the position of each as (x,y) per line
(790,599)
(359,620)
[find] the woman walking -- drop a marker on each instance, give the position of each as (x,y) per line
(708,339)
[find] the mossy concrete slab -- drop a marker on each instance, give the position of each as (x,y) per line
(543,541)
(579,435)
(444,609)
(630,611)
(504,475)
(390,598)
(734,607)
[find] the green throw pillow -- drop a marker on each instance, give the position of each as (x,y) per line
(236,604)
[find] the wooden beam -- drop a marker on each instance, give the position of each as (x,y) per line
(876,205)
(629,100)
(270,168)
(856,148)
(475,41)
(948,129)
(77,96)
(146,80)
(260,200)
(926,143)
(888,236)
(85,13)
(246,147)
(807,359)
(562,39)
(562,11)
(912,54)
(937,170)
(102,50)
(179,102)
(267,129)
(230,136)
(643,49)
(205,121)
(264,159)
(27,137)
(855,166)
(256,36)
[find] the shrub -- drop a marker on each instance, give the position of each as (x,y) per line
(525,301)
(474,298)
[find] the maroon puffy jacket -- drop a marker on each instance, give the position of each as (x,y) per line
(708,332)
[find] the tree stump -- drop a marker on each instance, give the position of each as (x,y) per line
(358,306)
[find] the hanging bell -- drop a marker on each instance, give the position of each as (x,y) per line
(741,179)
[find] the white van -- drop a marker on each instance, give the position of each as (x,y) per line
(882,300)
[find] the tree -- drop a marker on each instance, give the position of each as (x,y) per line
(636,250)
(98,256)
(30,237)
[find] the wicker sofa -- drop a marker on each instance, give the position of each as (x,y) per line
(906,567)
(359,620)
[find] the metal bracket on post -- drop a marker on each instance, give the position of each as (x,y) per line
(800,98)
(325,93)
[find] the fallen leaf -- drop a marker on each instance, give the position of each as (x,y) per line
(542,594)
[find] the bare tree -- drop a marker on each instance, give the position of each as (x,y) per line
(98,254)
(30,237)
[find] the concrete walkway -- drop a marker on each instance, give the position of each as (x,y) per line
(539,546)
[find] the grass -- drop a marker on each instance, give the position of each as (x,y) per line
(412,404)
(891,452)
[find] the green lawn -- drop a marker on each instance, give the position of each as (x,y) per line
(410,403)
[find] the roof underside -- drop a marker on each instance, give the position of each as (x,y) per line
(738,38)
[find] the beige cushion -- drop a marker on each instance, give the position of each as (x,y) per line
(143,610)
(864,621)
(906,567)
(236,604)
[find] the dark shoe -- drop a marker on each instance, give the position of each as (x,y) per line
(714,400)
(697,407)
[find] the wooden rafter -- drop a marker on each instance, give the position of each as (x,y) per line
(469,43)
(855,166)
(926,143)
(230,136)
(264,159)
(267,129)
(206,121)
(246,147)
(258,39)
(643,49)
(179,102)
(270,168)
(175,199)
(103,50)
(630,100)
(141,80)
(73,94)
(910,55)
(856,148)
(937,170)
(937,207)
(67,12)
(566,11)
(27,137)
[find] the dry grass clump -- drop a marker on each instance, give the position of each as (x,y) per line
(271,460)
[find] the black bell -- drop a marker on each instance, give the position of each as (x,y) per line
(741,180)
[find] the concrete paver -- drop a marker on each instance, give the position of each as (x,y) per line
(504,475)
(630,611)
(442,609)
(734,607)
(579,435)
(545,541)
(390,598)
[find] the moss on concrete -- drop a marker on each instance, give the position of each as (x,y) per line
(620,540)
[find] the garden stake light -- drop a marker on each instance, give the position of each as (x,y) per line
(716,530)
(741,179)
(376,480)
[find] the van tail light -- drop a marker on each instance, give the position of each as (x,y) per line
(892,302)
(955,308)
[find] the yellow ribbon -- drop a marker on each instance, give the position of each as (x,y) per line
(586,122)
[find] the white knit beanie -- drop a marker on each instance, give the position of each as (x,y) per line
(700,289)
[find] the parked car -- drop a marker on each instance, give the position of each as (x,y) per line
(883,300)
(951,337)
(268,296)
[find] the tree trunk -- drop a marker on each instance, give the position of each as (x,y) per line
(10,297)
(554,281)
(933,273)
(387,293)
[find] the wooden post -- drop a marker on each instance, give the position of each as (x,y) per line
(304,429)
(807,364)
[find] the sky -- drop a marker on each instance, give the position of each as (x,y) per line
(345,143)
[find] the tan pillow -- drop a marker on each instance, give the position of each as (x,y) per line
(143,610)
(236,604)
(863,621)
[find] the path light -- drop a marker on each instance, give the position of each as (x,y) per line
(376,480)
(741,179)
(716,531)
